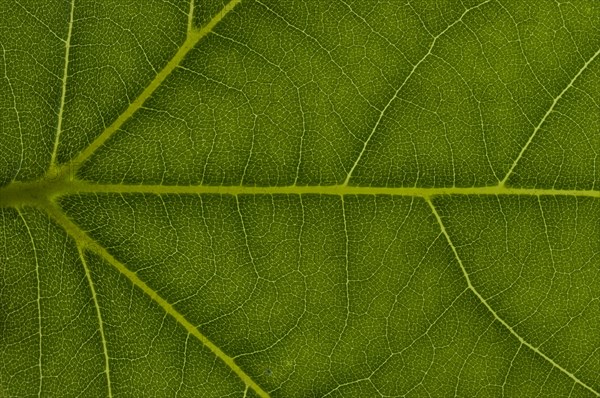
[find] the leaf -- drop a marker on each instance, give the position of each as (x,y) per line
(299,199)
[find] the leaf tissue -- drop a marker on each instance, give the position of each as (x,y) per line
(299,198)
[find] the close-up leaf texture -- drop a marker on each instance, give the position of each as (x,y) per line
(300,198)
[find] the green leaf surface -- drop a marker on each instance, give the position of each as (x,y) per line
(281,198)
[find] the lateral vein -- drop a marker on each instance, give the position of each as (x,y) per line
(63,93)
(100,322)
(491,310)
(87,242)
(406,79)
(193,37)
(548,112)
(191,17)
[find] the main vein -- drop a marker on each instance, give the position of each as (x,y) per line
(37,193)
(494,313)
(63,93)
(193,36)
(548,112)
(340,190)
(85,241)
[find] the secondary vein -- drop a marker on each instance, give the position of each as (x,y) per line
(190,26)
(491,310)
(88,275)
(548,112)
(193,37)
(87,242)
(64,88)
(410,74)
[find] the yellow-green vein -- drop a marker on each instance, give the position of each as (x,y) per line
(548,112)
(85,241)
(99,315)
(63,92)
(33,193)
(193,36)
(340,190)
(190,26)
(491,310)
(410,74)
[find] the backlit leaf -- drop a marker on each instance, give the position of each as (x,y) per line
(313,198)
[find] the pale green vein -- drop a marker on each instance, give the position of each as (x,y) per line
(185,353)
(38,20)
(39,297)
(396,353)
(85,241)
(510,366)
(193,37)
(410,74)
(14,101)
(100,322)
(247,244)
(347,277)
(491,310)
(190,26)
(548,112)
(63,93)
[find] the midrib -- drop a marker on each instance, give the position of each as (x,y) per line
(340,190)
(32,193)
